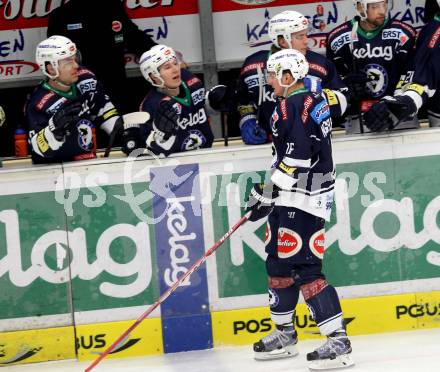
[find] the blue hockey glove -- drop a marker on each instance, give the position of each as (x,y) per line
(261,200)
(251,132)
(313,84)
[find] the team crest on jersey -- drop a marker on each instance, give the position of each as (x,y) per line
(378,79)
(316,244)
(194,140)
(85,134)
(289,243)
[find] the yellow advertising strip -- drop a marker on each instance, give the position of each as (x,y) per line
(145,339)
(362,316)
(37,345)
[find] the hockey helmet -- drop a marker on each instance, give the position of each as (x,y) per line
(288,60)
(362,13)
(52,50)
(151,61)
(284,24)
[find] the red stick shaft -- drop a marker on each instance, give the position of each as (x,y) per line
(170,290)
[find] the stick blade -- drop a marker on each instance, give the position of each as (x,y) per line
(137,117)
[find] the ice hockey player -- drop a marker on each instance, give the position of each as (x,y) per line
(179,120)
(421,85)
(64,110)
(288,29)
(298,199)
(372,53)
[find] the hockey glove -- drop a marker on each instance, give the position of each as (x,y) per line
(389,112)
(222,98)
(130,139)
(251,132)
(62,122)
(261,200)
(313,84)
(356,83)
(165,120)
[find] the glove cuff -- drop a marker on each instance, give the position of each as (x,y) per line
(246,118)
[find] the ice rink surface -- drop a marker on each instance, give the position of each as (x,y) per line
(415,351)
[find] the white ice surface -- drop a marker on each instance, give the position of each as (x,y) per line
(415,351)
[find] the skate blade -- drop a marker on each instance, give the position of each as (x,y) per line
(286,352)
(341,361)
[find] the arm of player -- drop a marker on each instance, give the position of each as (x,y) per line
(162,138)
(297,158)
(47,137)
(335,91)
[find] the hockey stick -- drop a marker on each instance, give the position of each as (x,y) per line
(131,118)
(170,290)
(354,37)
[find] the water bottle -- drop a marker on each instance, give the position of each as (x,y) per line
(21,143)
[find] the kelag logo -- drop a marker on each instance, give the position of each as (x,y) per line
(17,68)
(98,342)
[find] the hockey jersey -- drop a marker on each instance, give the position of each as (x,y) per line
(45,101)
(256,96)
(423,81)
(383,54)
(193,129)
(303,165)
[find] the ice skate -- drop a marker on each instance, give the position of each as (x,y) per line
(335,353)
(281,343)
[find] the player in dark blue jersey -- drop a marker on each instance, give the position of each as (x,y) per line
(298,199)
(288,29)
(64,110)
(372,53)
(422,85)
(179,120)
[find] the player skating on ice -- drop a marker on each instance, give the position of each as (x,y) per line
(298,200)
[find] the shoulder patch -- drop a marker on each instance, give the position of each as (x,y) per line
(84,71)
(305,113)
(434,38)
(321,69)
(44,99)
(193,81)
(252,66)
(405,26)
(283,109)
(337,29)
(339,41)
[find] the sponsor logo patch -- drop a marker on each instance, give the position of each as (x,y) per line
(289,243)
(316,243)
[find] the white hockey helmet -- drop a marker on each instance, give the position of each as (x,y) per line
(52,50)
(151,61)
(288,60)
(284,24)
(362,13)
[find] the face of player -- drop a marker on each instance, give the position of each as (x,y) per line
(278,89)
(170,73)
(300,41)
(67,69)
(376,13)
